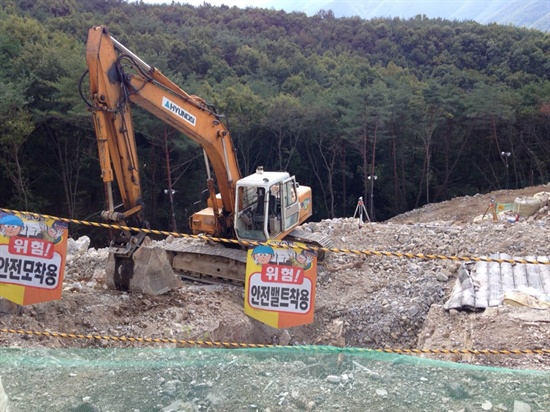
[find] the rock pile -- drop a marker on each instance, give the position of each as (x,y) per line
(365,299)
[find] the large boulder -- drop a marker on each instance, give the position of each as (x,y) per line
(148,271)
(527,206)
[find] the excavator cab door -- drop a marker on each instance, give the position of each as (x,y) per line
(290,206)
(251,221)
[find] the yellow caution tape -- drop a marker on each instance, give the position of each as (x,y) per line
(232,345)
(362,252)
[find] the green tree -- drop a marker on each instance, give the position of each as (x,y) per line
(16,123)
(245,112)
(284,120)
(16,126)
(491,109)
(324,148)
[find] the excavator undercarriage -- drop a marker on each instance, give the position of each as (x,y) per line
(157,268)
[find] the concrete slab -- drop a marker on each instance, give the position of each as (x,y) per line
(480,285)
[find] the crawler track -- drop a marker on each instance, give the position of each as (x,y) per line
(217,264)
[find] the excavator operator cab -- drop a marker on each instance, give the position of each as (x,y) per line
(267,206)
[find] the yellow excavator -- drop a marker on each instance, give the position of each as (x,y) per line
(262,206)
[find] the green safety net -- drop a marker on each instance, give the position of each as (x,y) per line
(271,379)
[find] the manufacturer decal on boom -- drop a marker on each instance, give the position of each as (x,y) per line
(174,108)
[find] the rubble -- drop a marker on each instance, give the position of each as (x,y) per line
(363,299)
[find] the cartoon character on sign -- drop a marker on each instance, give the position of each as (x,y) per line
(262,254)
(302,259)
(54,233)
(11,225)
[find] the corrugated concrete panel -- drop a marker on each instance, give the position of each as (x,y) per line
(483,284)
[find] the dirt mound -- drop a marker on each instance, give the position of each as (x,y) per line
(363,300)
(464,209)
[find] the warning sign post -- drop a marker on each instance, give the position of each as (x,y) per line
(280,284)
(32,258)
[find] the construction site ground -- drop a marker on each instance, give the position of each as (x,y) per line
(365,301)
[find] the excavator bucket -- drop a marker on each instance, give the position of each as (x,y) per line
(148,271)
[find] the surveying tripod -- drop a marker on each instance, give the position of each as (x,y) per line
(493,208)
(361,209)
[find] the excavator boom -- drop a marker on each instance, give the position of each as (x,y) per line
(118,77)
(262,206)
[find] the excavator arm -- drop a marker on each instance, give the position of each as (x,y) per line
(262,206)
(117,78)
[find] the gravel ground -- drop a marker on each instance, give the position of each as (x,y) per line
(362,301)
(188,380)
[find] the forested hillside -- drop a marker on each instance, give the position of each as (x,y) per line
(431,107)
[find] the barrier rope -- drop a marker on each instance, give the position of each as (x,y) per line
(314,348)
(234,345)
(362,252)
